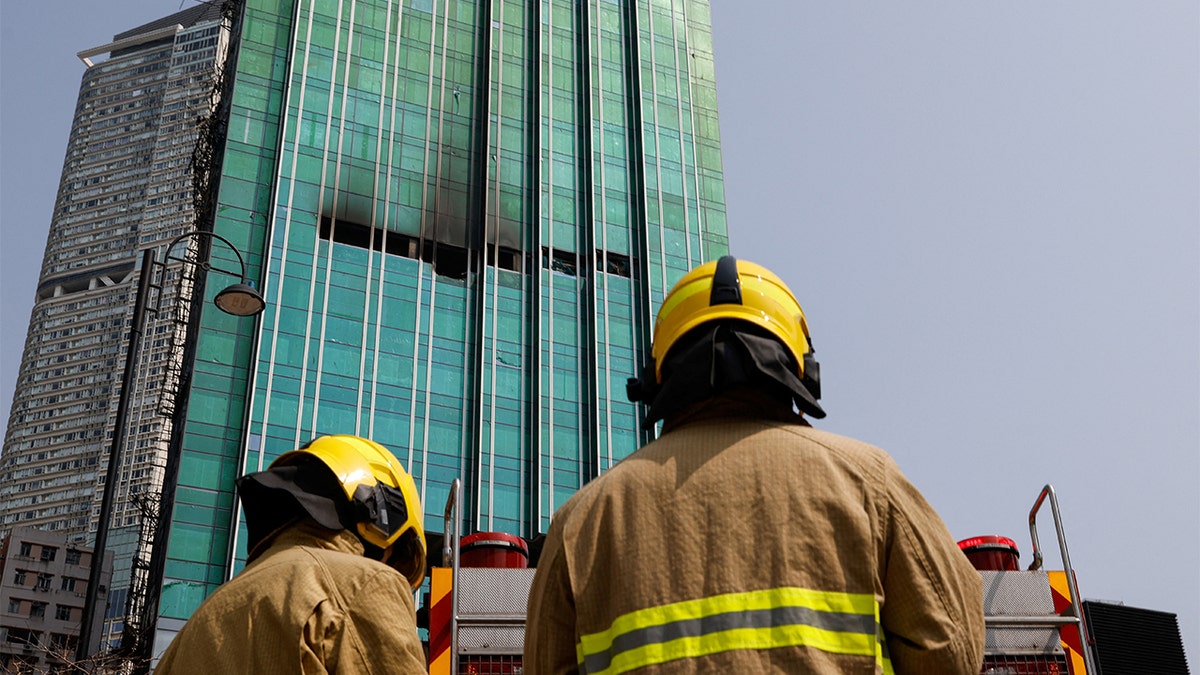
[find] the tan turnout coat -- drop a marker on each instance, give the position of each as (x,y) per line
(736,545)
(309,604)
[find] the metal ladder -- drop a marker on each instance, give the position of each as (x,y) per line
(1019,609)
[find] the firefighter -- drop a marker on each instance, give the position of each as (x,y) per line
(743,540)
(336,549)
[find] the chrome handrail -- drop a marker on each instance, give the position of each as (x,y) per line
(1076,604)
(452,535)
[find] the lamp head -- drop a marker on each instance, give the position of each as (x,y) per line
(240,300)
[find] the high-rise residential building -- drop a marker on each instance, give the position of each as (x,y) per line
(462,215)
(126,185)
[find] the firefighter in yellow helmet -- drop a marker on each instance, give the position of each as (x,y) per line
(336,549)
(742,540)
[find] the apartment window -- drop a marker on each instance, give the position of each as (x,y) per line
(62,612)
(73,557)
(68,583)
(48,552)
(43,581)
(26,549)
(19,578)
(61,641)
(22,636)
(37,610)
(14,606)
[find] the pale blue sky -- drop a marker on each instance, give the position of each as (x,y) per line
(990,212)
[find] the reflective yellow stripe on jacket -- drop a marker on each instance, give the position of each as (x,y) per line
(840,623)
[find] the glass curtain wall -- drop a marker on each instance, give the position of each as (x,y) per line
(462,213)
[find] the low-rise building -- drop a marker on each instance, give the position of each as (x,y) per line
(43,585)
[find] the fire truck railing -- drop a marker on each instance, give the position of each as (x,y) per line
(1019,591)
(453,534)
(1031,620)
(487,605)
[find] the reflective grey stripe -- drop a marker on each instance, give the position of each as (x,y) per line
(757,618)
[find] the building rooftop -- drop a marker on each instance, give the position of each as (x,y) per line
(203,11)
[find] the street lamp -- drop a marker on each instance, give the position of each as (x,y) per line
(240,299)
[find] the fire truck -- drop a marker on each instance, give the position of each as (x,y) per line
(1036,622)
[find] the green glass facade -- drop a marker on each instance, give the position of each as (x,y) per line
(462,214)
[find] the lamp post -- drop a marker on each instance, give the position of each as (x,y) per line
(240,299)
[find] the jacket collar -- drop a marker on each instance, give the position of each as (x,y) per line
(742,403)
(307,533)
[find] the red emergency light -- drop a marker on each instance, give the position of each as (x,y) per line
(991,553)
(494,549)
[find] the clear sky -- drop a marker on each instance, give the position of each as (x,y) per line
(990,212)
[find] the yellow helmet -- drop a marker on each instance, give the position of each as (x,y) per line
(731,289)
(724,290)
(384,497)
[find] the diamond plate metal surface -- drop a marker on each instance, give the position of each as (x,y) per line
(491,639)
(491,609)
(1019,594)
(488,591)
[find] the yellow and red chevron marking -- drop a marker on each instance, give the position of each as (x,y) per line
(439,620)
(1071,642)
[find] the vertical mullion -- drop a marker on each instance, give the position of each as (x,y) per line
(602,275)
(386,100)
(371,255)
(589,429)
(680,83)
(643,317)
(337,174)
(422,242)
(533,278)
(278,305)
(548,273)
(484,339)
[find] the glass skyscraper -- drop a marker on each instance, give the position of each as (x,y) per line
(462,215)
